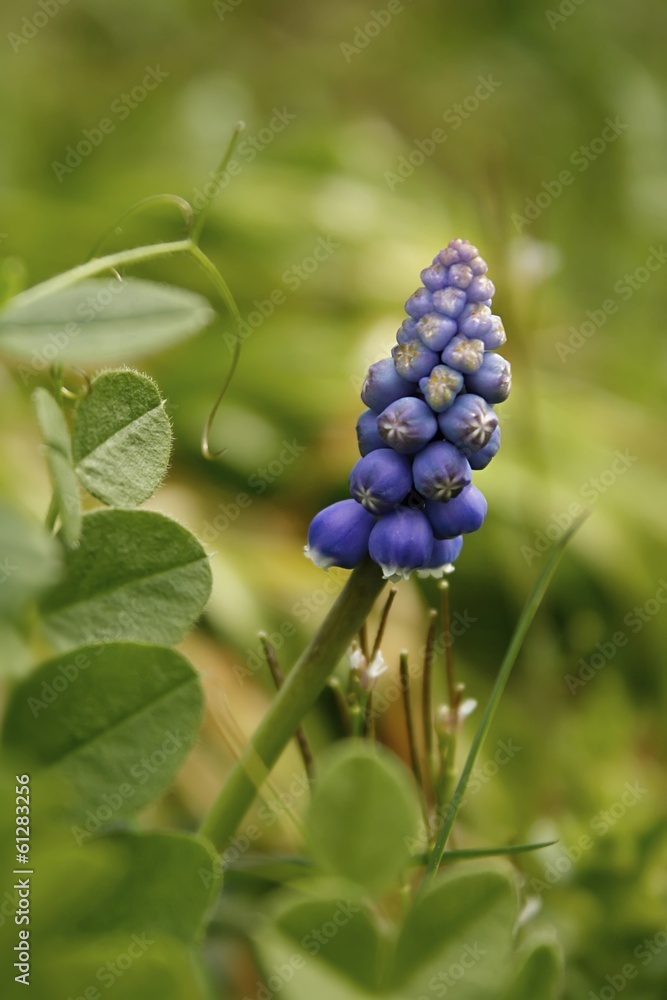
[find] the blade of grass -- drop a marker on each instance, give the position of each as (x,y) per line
(524,623)
(461,854)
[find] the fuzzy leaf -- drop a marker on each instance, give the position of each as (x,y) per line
(101,320)
(29,559)
(121,438)
(363,813)
(136,575)
(113,722)
(55,434)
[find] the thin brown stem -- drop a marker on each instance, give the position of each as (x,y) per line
(383,624)
(427,696)
(409,724)
(278,678)
(363,641)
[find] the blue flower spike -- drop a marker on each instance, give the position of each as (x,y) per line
(429,423)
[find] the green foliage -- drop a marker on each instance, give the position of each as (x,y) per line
(112,722)
(55,433)
(121,438)
(135,575)
(100,320)
(30,559)
(540,974)
(369,794)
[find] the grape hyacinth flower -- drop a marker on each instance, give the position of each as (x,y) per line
(429,424)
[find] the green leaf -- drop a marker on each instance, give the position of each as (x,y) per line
(55,433)
(342,932)
(136,575)
(136,966)
(30,559)
(15,656)
(363,813)
(163,883)
(540,975)
(113,722)
(101,320)
(463,929)
(121,438)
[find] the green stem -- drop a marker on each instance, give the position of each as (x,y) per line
(92,267)
(52,513)
(514,648)
(298,694)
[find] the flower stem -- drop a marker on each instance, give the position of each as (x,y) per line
(295,698)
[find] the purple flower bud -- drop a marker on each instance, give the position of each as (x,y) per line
(407,425)
(406,331)
(440,471)
(480,459)
(493,380)
(435,330)
(338,535)
(459,516)
(478,265)
(381,480)
(445,552)
(419,303)
(383,385)
(457,251)
(368,436)
(460,275)
(401,542)
(475,320)
(480,289)
(450,301)
(413,361)
(495,336)
(441,387)
(434,277)
(469,422)
(463,354)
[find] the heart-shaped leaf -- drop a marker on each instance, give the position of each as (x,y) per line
(136,575)
(121,438)
(459,933)
(363,815)
(100,320)
(113,722)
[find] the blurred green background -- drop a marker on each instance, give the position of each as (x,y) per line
(340,109)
